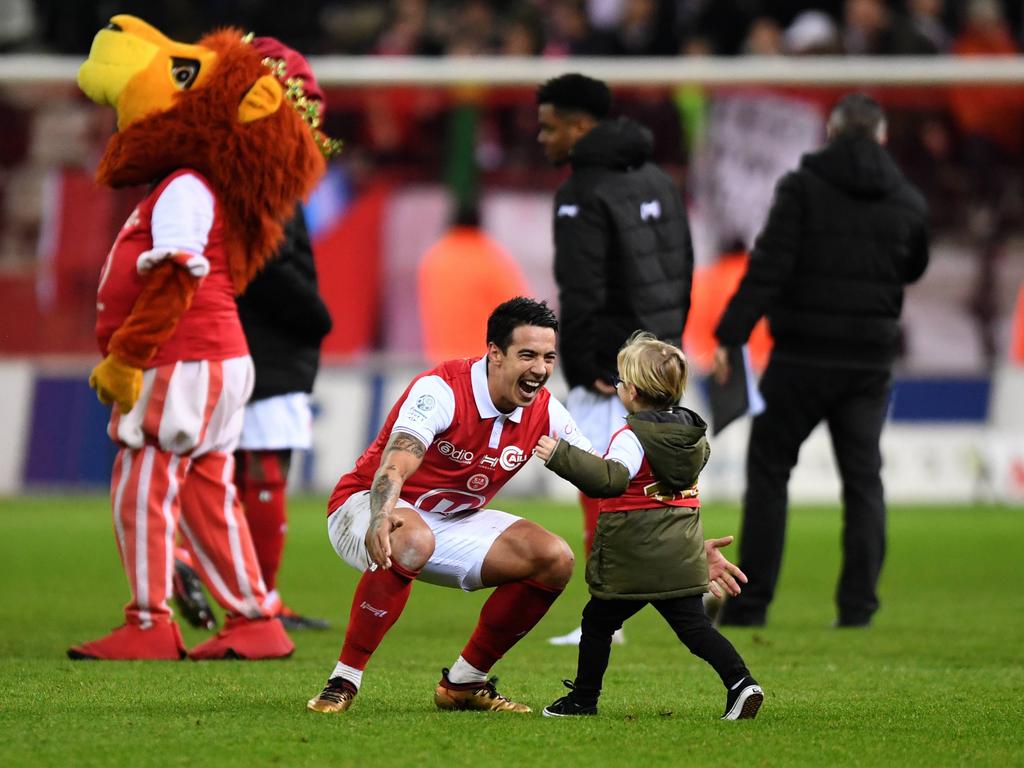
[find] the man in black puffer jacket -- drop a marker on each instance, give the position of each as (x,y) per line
(623,256)
(845,234)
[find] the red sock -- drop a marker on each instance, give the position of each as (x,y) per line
(261,477)
(510,612)
(181,552)
(590,515)
(378,602)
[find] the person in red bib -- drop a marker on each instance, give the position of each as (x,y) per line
(649,544)
(417,506)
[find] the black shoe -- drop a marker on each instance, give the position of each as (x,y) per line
(189,598)
(569,706)
(852,623)
(295,621)
(743,700)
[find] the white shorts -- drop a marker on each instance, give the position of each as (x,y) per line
(461,541)
(598,416)
(275,423)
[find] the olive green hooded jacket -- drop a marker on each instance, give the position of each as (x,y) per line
(645,554)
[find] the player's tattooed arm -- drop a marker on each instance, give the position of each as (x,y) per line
(402,456)
(401,441)
(384,489)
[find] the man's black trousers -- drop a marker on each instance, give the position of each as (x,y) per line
(853,403)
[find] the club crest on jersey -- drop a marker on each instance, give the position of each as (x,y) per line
(478,482)
(458,455)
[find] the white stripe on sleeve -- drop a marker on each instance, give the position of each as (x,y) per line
(183,216)
(428,410)
(563,426)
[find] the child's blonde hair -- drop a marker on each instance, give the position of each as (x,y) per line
(658,370)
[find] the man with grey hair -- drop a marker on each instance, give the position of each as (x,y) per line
(846,232)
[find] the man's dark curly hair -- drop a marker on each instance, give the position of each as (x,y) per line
(576,93)
(516,312)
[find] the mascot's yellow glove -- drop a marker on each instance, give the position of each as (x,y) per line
(116,382)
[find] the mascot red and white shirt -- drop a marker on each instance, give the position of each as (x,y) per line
(179,220)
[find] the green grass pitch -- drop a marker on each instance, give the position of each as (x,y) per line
(936,681)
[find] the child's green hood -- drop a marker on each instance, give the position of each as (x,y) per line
(675,444)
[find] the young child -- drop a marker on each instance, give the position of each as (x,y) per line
(649,544)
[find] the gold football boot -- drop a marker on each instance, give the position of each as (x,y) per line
(336,696)
(475,696)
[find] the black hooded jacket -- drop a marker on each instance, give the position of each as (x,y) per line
(845,233)
(284,317)
(623,257)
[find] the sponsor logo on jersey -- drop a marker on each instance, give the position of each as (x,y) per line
(567,211)
(426,402)
(489,461)
(511,457)
(650,210)
(448,501)
(478,482)
(458,455)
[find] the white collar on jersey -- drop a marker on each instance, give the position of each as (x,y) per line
(482,395)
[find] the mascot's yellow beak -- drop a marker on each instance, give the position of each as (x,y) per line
(139,71)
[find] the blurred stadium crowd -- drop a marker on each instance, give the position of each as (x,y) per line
(726,145)
(538,27)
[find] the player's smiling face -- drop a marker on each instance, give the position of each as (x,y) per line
(515,376)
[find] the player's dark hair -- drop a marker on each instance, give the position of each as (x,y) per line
(576,93)
(516,312)
(856,115)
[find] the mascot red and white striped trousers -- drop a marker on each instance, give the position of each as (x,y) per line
(175,471)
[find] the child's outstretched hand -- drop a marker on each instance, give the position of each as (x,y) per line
(546,447)
(723,577)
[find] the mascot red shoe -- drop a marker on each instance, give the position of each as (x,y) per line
(227,145)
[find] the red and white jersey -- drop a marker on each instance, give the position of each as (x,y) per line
(179,220)
(473,448)
(643,491)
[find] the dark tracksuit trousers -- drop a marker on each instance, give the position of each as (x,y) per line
(853,403)
(601,618)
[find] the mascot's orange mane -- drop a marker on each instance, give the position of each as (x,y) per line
(257,169)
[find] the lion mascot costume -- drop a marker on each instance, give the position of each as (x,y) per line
(227,144)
